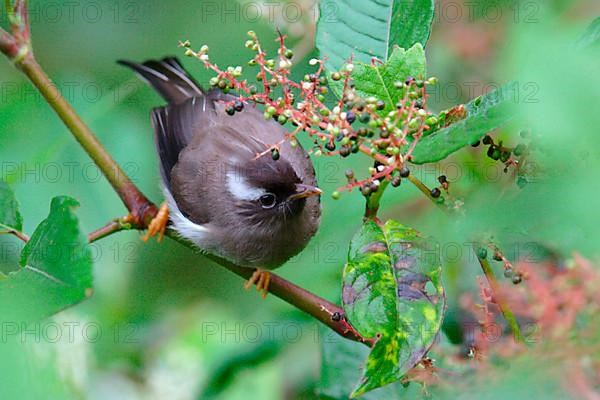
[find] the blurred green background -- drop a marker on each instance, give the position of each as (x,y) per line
(164,322)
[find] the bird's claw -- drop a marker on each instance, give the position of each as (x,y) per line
(262,279)
(158,224)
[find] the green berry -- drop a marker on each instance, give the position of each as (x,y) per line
(413,123)
(519,150)
(482,253)
(275,154)
(431,121)
(335,195)
(336,76)
(288,54)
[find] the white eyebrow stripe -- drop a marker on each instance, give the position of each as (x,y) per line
(239,187)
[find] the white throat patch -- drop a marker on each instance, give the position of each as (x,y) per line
(239,187)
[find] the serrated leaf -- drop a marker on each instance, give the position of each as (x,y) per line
(56,268)
(370,28)
(484,114)
(378,80)
(10,217)
(591,36)
(392,289)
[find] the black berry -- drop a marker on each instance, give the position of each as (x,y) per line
(238,106)
(517,278)
(350,117)
(404,172)
(330,146)
(345,151)
(435,193)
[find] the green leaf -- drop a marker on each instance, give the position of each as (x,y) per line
(370,28)
(378,80)
(56,268)
(392,289)
(10,217)
(484,114)
(591,36)
(341,365)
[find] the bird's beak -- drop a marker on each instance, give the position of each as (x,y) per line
(304,191)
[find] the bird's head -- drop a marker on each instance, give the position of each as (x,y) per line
(264,190)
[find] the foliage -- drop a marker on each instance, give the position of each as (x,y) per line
(56,268)
(371,29)
(392,289)
(377,72)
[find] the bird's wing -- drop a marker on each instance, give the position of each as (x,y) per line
(174,128)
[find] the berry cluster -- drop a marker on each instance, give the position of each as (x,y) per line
(507,155)
(353,124)
(510,272)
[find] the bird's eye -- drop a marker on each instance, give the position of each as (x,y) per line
(267,200)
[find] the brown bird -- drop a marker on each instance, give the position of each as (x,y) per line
(256,211)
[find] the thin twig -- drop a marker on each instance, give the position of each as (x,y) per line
(114,226)
(423,188)
(372,203)
(18,234)
(485,266)
(499,299)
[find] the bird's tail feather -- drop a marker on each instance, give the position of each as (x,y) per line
(168,78)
